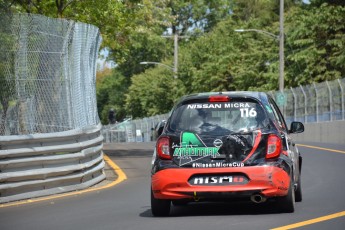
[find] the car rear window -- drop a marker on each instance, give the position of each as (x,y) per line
(220,118)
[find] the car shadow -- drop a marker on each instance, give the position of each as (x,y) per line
(136,149)
(219,209)
(130,153)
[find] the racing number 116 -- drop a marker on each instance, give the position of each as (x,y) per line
(245,112)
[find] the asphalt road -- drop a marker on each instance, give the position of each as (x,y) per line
(127,204)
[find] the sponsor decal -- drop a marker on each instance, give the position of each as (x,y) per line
(192,146)
(218,165)
(245,108)
(218,180)
(218,143)
(192,150)
(196,152)
(219,106)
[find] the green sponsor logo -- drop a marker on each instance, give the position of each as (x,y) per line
(192,146)
(196,152)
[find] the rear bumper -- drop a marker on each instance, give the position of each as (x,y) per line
(269,181)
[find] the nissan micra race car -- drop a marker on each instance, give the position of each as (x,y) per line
(226,145)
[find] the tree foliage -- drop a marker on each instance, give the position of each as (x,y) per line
(6,70)
(117,20)
(153,92)
(110,90)
(316,38)
(200,15)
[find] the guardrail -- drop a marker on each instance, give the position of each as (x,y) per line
(36,165)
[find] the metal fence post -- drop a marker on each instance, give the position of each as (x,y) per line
(294,103)
(305,105)
(317,103)
(342,100)
(147,130)
(330,102)
(65,57)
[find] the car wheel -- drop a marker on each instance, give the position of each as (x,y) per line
(287,203)
(298,192)
(159,207)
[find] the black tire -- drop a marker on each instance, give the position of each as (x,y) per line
(298,192)
(287,203)
(159,207)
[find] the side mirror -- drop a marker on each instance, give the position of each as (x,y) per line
(296,127)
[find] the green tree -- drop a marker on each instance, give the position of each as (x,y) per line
(263,9)
(115,19)
(200,15)
(153,92)
(143,47)
(111,89)
(227,60)
(316,38)
(7,87)
(318,3)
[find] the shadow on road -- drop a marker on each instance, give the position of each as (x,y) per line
(219,209)
(136,149)
(129,153)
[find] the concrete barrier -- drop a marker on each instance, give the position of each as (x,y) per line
(324,132)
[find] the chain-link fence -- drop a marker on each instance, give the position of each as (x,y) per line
(142,130)
(312,103)
(47,74)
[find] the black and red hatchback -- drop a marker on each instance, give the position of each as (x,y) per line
(226,145)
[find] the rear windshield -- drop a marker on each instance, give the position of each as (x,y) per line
(219,118)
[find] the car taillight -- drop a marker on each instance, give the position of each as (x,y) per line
(274,146)
(218,98)
(163,148)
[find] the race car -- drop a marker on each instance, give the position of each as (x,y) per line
(226,145)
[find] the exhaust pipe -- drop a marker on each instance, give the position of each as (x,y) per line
(196,198)
(258,198)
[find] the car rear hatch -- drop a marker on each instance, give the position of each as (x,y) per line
(218,131)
